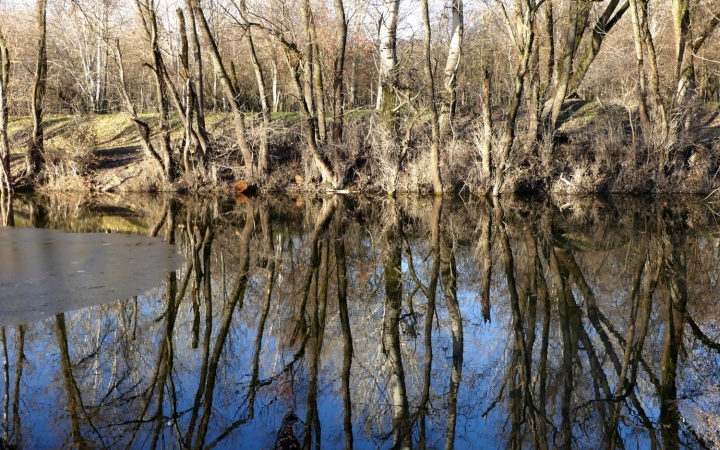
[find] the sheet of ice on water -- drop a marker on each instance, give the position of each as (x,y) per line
(47,272)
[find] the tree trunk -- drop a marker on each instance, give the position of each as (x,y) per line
(186,111)
(564,64)
(509,137)
(36,145)
(487,136)
(142,128)
(5,180)
(199,103)
(322,165)
(601,29)
(263,156)
(434,121)
(229,91)
(449,101)
(642,89)
(338,73)
(148,15)
(275,91)
(686,81)
(319,86)
(388,63)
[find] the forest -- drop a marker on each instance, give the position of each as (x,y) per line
(391,96)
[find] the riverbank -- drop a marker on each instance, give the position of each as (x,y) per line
(596,150)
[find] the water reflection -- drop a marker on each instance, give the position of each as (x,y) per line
(393,324)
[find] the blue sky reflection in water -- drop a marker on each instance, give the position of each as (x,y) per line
(260,319)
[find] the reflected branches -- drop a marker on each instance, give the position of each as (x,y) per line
(365,322)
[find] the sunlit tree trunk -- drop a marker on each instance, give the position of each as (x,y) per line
(640,61)
(564,64)
(263,155)
(449,98)
(523,31)
(604,24)
(487,133)
(689,41)
(388,78)
(193,141)
(308,110)
(229,91)
(36,145)
(142,128)
(338,72)
(199,104)
(148,15)
(434,120)
(5,180)
(534,101)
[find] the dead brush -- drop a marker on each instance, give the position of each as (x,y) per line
(475,180)
(415,176)
(385,158)
(69,157)
(457,162)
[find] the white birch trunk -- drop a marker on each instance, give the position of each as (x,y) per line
(457,30)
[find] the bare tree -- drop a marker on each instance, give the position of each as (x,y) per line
(230,91)
(388,66)
(147,11)
(36,146)
(434,121)
(449,98)
(522,31)
(142,127)
(5,180)
(338,72)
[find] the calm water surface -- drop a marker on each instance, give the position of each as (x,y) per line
(416,323)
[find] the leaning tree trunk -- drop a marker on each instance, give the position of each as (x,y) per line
(449,101)
(142,127)
(686,82)
(525,24)
(229,91)
(147,11)
(321,163)
(564,64)
(5,181)
(198,71)
(263,156)
(36,146)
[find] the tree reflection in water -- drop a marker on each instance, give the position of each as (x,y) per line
(400,324)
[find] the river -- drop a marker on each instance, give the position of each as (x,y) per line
(182,322)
